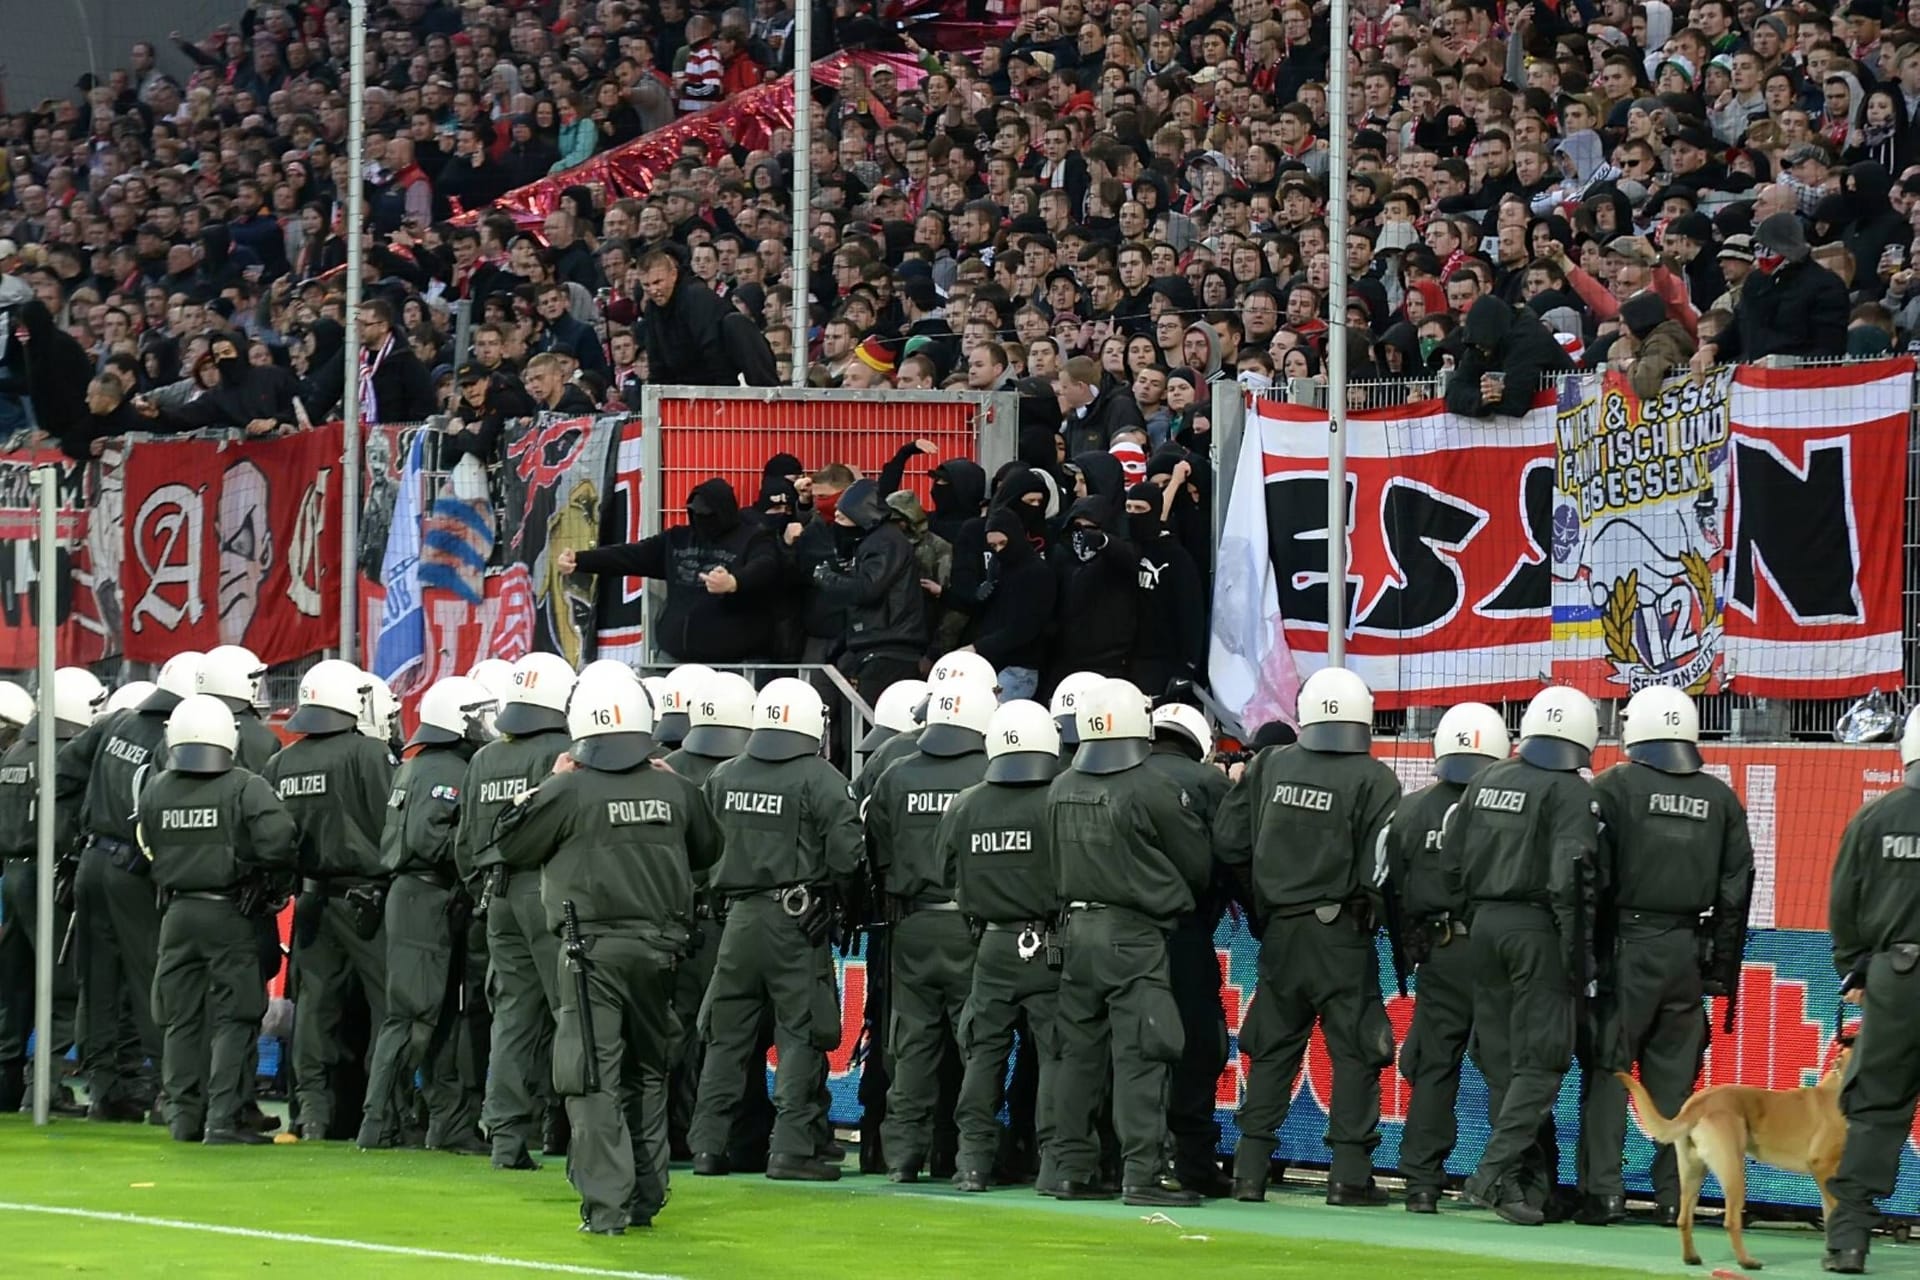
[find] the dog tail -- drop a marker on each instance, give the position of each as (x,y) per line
(1655,1125)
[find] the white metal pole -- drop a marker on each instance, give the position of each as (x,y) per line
(351,460)
(46,480)
(801,318)
(1339,67)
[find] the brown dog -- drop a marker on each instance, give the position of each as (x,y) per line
(1799,1130)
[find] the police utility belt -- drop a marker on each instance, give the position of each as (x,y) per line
(1660,919)
(1031,937)
(121,855)
(1444,929)
(794,899)
(437,879)
(909,906)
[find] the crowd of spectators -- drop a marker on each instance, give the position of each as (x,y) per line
(1107,209)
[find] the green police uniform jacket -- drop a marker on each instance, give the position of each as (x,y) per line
(423,812)
(994,838)
(98,776)
(1129,839)
(206,832)
(500,773)
(884,757)
(1875,898)
(336,786)
(903,815)
(1206,787)
(19,794)
(622,847)
(258,744)
(1312,825)
(1677,844)
(786,822)
(692,766)
(1414,867)
(1529,835)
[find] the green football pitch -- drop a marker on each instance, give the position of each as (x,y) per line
(123,1201)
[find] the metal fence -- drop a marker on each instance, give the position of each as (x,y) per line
(1730,715)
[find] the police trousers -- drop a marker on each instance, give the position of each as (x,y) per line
(208,1001)
(1117,1023)
(1523,1013)
(18,921)
(617,1159)
(1193,971)
(1430,1059)
(1877,1096)
(1327,973)
(689,989)
(336,963)
(523,989)
(765,961)
(1651,1015)
(116,948)
(1006,988)
(421,1031)
(931,955)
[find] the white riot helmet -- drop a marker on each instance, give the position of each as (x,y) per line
(611,722)
(233,674)
(1559,730)
(606,666)
(16,706)
(656,689)
(963,665)
(958,712)
(1186,725)
(721,718)
(537,702)
(380,714)
(78,697)
(1116,733)
(1023,744)
(201,735)
(1066,703)
(496,674)
(685,683)
(1336,713)
(1662,730)
(333,696)
(1469,737)
(789,721)
(897,710)
(178,677)
(126,698)
(1910,740)
(454,710)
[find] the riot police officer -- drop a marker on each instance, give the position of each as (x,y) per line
(619,844)
(1126,846)
(719,721)
(523,975)
(960,664)
(233,674)
(335,781)
(1065,701)
(1183,750)
(126,697)
(1873,913)
(898,711)
(97,781)
(1522,843)
(1309,819)
(684,684)
(77,700)
(427,916)
(1675,876)
(792,839)
(1468,738)
(994,837)
(931,948)
(223,849)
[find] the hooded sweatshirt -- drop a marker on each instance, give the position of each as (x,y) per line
(1096,610)
(1012,623)
(1514,344)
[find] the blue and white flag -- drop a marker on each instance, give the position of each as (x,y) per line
(402,642)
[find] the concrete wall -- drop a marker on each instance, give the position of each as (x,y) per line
(52,43)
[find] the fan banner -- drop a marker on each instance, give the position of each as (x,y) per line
(558,478)
(87,606)
(233,543)
(1710,538)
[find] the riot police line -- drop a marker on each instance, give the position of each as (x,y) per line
(583,908)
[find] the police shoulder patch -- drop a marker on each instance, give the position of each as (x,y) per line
(1186,801)
(449,794)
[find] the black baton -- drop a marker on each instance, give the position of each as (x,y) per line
(580,966)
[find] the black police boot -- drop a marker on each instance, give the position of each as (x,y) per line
(1601,1211)
(466,1144)
(1667,1215)
(1068,1189)
(119,1111)
(523,1161)
(971,1180)
(1206,1179)
(1163,1193)
(1356,1195)
(709,1164)
(557,1132)
(235,1138)
(832,1152)
(252,1117)
(1423,1202)
(796,1169)
(1846,1262)
(907,1172)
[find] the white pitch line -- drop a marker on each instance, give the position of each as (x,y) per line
(364,1246)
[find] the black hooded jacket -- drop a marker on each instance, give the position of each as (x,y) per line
(1096,610)
(1012,630)
(1799,310)
(246,393)
(1502,340)
(692,343)
(879,587)
(698,625)
(958,489)
(50,368)
(1112,409)
(1872,225)
(1172,640)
